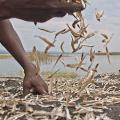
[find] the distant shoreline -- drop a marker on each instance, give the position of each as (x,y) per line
(111,53)
(6,55)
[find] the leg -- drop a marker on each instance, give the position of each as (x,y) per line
(10,40)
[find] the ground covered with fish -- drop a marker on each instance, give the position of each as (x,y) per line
(99,100)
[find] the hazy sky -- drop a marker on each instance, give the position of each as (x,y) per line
(109,24)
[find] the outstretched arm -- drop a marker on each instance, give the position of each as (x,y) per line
(10,40)
(29,10)
(37,10)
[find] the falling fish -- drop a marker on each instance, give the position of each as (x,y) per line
(75,22)
(75,34)
(92,55)
(92,58)
(105,36)
(108,55)
(73,65)
(75,49)
(72,44)
(60,32)
(59,57)
(76,39)
(81,61)
(88,79)
(99,15)
(46,30)
(53,74)
(48,47)
(83,69)
(46,41)
(36,59)
(61,46)
(106,39)
(89,36)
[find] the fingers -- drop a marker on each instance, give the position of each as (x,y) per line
(36,83)
(74,7)
(26,88)
(69,7)
(38,89)
(40,86)
(26,91)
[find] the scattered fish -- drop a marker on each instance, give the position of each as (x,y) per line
(99,15)
(46,30)
(61,46)
(59,57)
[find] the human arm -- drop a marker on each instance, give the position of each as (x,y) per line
(37,10)
(10,40)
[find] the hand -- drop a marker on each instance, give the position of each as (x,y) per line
(41,10)
(35,82)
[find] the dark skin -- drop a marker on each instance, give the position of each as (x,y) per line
(29,10)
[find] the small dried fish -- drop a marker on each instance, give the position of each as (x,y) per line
(60,32)
(53,74)
(106,39)
(105,36)
(88,79)
(75,49)
(81,61)
(48,47)
(61,46)
(99,15)
(72,65)
(75,22)
(83,69)
(62,63)
(92,55)
(108,55)
(36,59)
(59,57)
(46,41)
(88,36)
(46,30)
(75,34)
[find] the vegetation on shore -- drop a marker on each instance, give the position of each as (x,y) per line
(110,53)
(60,74)
(5,56)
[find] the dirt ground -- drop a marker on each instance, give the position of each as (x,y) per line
(50,107)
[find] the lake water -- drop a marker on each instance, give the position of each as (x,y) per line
(110,24)
(11,67)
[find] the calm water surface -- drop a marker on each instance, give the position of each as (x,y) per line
(11,67)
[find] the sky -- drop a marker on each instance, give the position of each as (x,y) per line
(110,24)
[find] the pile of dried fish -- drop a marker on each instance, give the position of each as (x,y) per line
(68,99)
